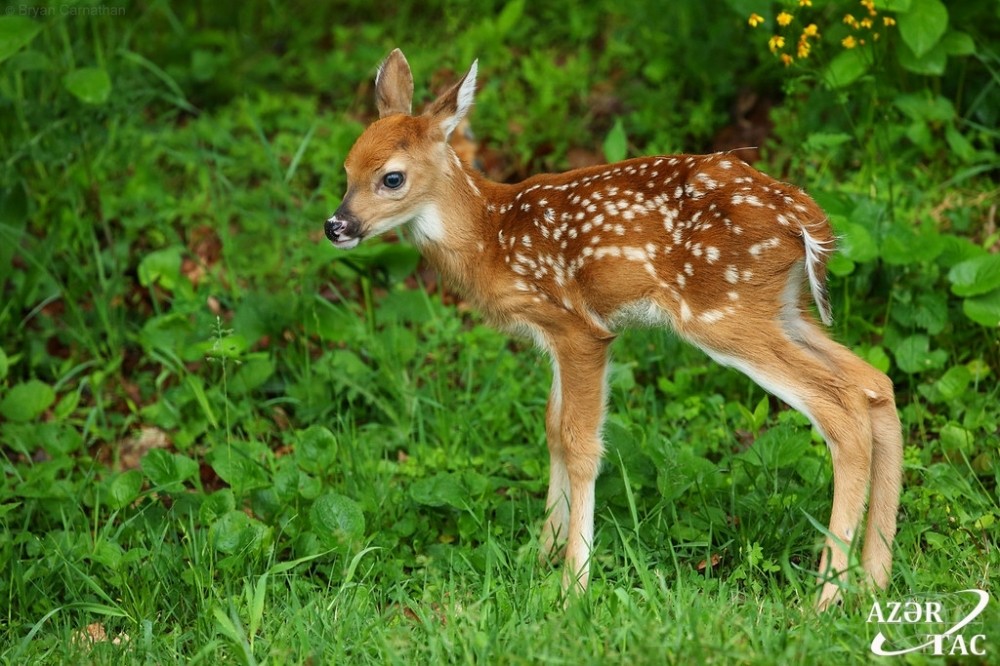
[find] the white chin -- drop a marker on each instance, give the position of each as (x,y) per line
(346,244)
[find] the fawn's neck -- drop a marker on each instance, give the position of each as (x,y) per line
(454,230)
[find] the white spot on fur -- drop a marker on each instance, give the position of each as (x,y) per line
(711,316)
(685,311)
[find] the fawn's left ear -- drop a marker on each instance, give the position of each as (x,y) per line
(394,85)
(449,109)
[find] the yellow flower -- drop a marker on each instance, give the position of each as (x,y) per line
(805,3)
(870,6)
(803,49)
(811,31)
(784,18)
(888,20)
(786,59)
(866,23)
(849,42)
(776,43)
(755,20)
(851,21)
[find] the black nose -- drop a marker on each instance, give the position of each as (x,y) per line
(333,227)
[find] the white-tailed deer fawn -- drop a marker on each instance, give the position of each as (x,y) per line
(701,244)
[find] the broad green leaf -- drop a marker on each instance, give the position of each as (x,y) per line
(957,249)
(923,25)
(165,469)
(337,520)
(235,532)
(251,374)
(931,63)
(924,107)
(316,450)
(27,401)
(124,489)
(90,85)
(781,446)
(616,143)
(956,438)
(839,265)
(975,276)
(878,358)
(231,346)
(928,310)
(4,365)
(913,355)
(957,43)
(235,468)
(108,553)
(953,383)
(161,267)
(846,68)
(169,333)
(856,243)
(30,60)
(903,246)
(442,489)
(15,32)
(983,309)
(217,505)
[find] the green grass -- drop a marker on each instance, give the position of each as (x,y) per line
(234,444)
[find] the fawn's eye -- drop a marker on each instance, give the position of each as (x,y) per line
(393,180)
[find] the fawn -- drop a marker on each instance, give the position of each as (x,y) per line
(702,244)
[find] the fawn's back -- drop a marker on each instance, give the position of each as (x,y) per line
(697,240)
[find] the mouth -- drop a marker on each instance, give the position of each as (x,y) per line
(345,243)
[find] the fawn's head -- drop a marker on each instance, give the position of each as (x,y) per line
(396,166)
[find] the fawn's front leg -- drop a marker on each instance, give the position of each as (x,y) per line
(573,425)
(557,503)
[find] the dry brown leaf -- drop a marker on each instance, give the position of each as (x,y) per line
(132,450)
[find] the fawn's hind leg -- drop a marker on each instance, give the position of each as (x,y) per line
(794,372)
(887,450)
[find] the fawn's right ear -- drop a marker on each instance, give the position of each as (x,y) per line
(449,109)
(394,86)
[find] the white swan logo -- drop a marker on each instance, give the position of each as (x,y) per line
(949,642)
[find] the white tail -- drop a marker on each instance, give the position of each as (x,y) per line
(704,245)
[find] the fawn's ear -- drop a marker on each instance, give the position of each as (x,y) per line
(449,109)
(394,85)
